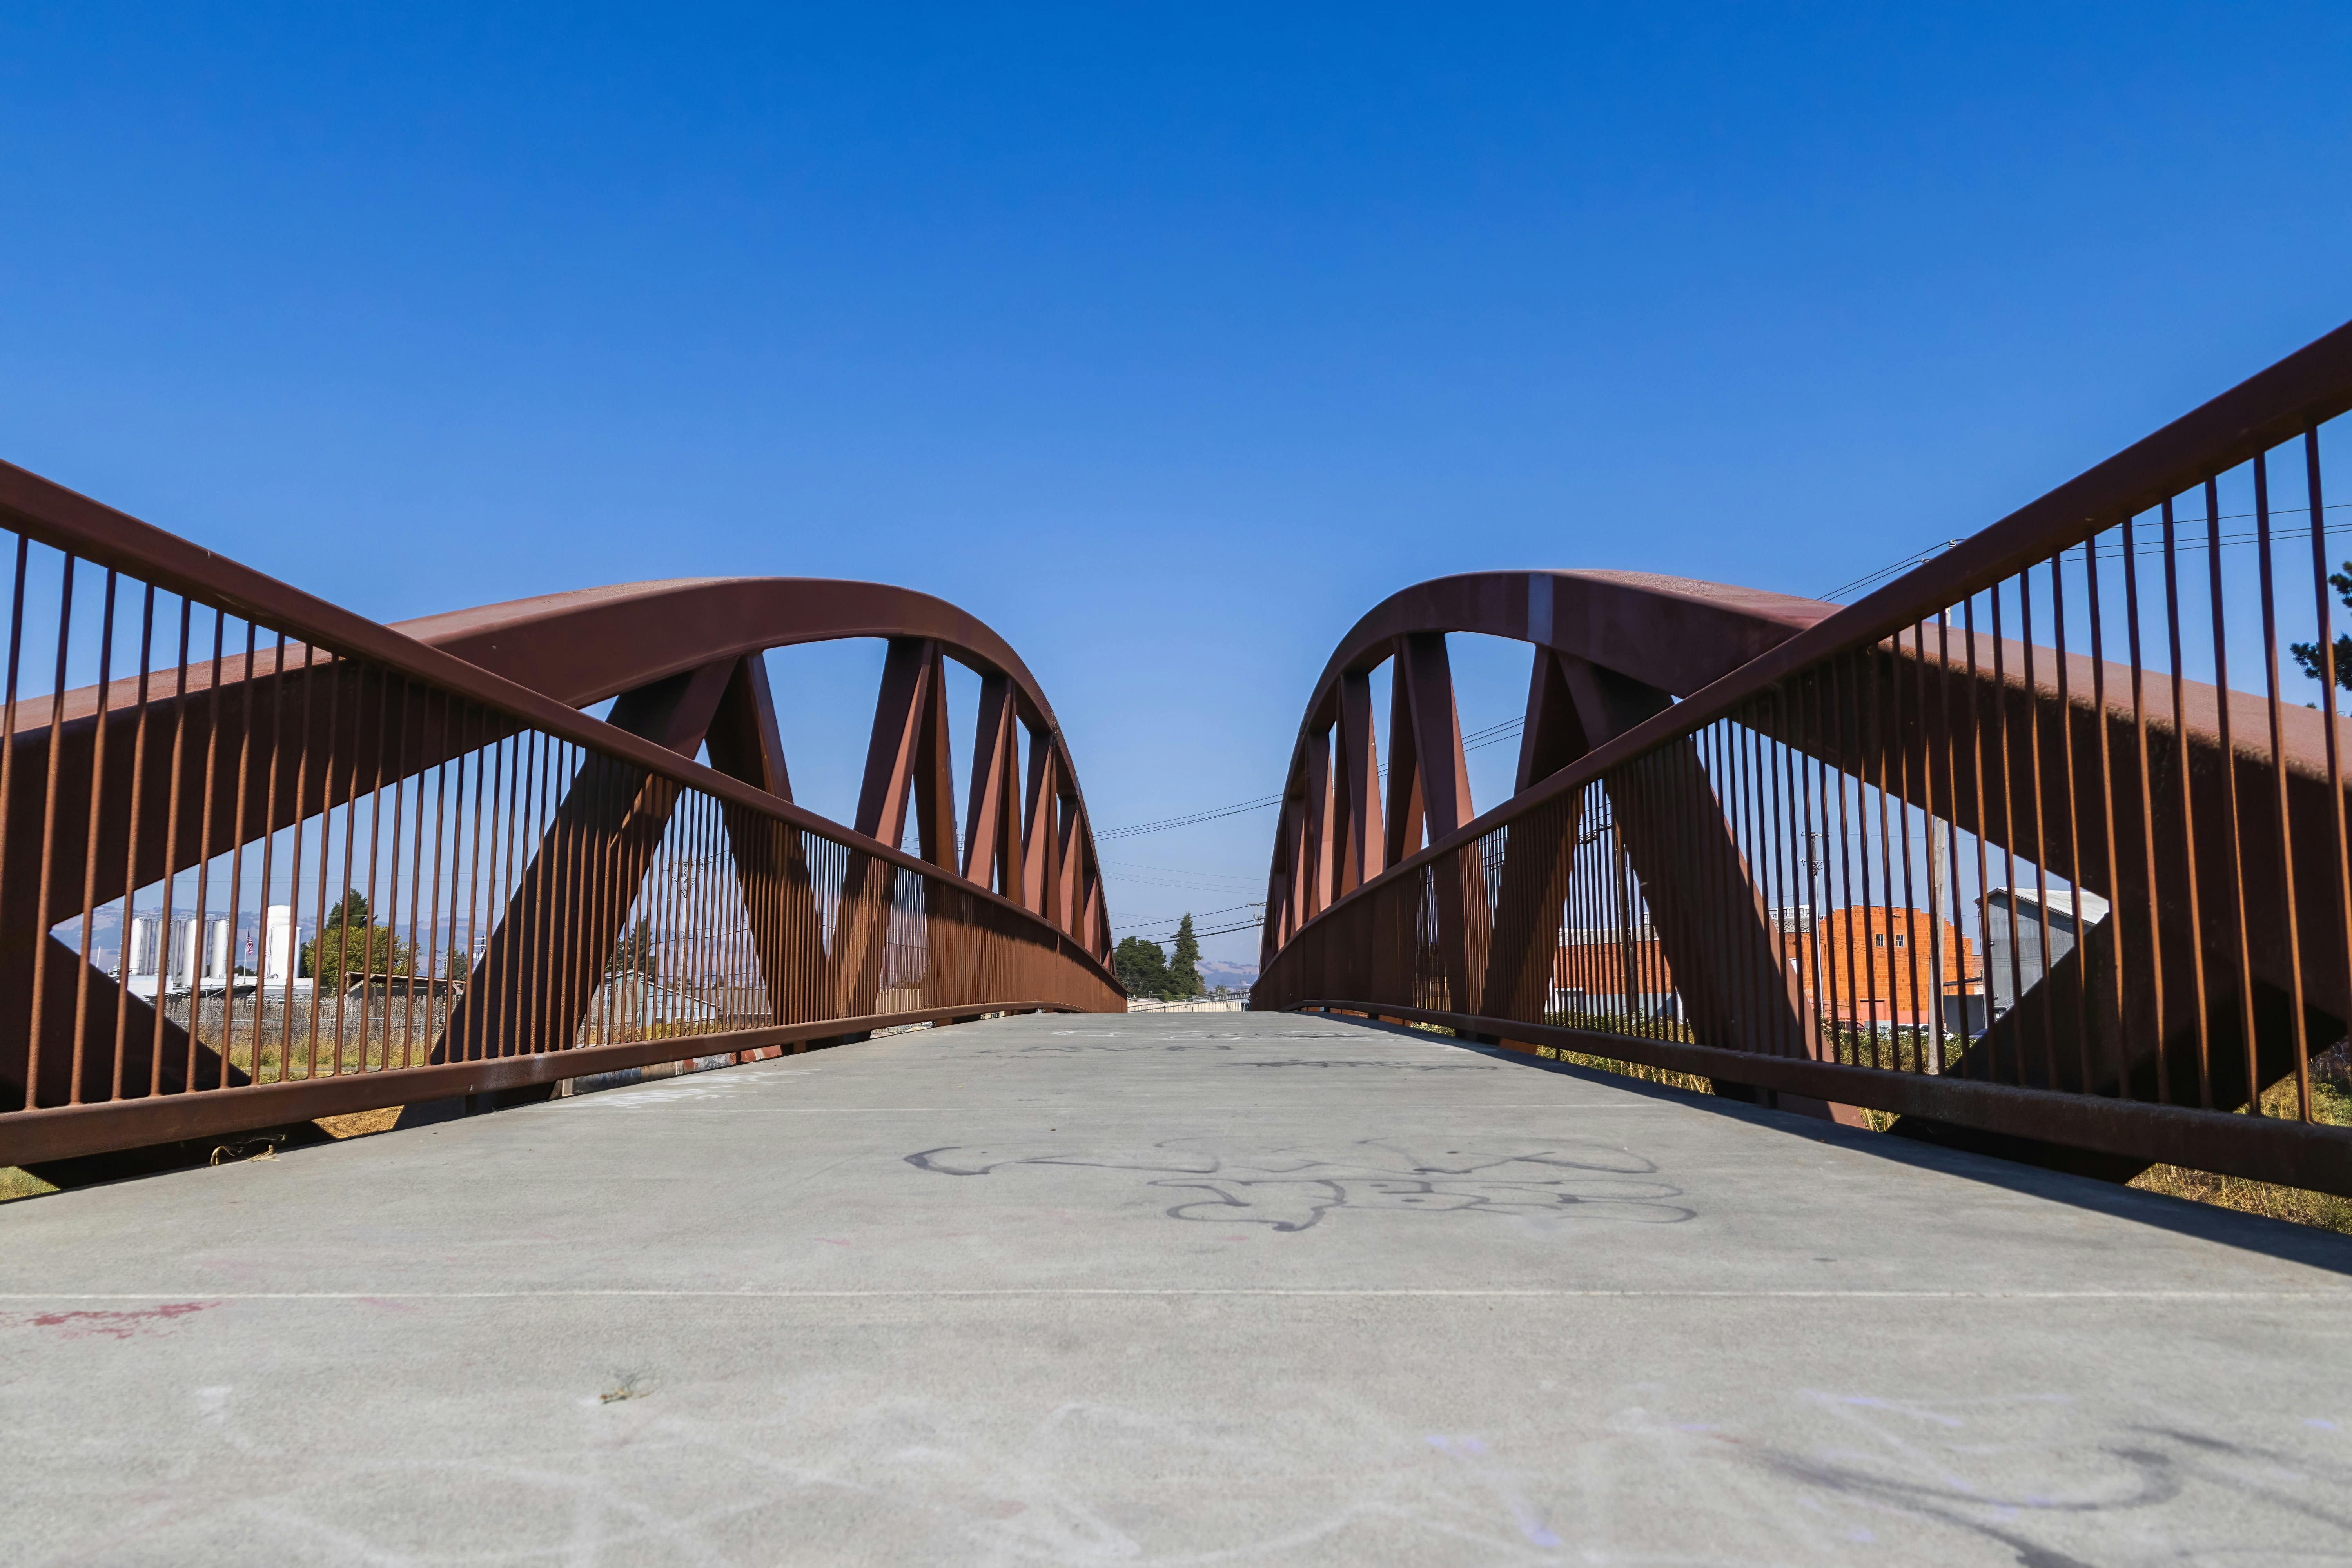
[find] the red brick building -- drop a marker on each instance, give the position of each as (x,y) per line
(1864,965)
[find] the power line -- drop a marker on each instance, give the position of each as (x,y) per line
(1228,930)
(1163,825)
(1511,729)
(2183,542)
(1492,734)
(1914,559)
(1220,888)
(1164,920)
(1218,931)
(1180,871)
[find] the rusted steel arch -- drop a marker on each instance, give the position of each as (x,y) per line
(2209,817)
(1673,634)
(122,783)
(583,647)
(682,660)
(586,647)
(1611,649)
(1628,645)
(589,644)
(1676,633)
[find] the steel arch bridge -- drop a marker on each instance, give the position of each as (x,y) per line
(2042,847)
(506,892)
(2003,853)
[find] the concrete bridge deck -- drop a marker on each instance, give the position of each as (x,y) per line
(1250,1289)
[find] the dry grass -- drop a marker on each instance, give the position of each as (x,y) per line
(1614,1023)
(2331,1104)
(359,1123)
(2324,1211)
(16,1183)
(1664,1076)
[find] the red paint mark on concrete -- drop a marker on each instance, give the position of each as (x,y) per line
(116,1325)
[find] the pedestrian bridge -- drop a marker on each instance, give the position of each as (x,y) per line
(2035,856)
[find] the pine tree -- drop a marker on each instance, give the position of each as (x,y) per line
(1184,969)
(1142,967)
(2306,654)
(635,952)
(350,941)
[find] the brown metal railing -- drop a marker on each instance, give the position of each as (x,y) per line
(2046,838)
(262,860)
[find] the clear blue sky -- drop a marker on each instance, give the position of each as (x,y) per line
(1167,339)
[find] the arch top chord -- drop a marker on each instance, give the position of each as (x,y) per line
(583,645)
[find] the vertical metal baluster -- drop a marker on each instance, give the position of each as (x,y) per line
(563,852)
(204,866)
(2040,842)
(418,953)
(2330,679)
(294,876)
(1842,714)
(2188,818)
(2161,1009)
(268,863)
(1952,954)
(514,1038)
(1806,764)
(603,916)
(172,827)
(1771,845)
(2245,968)
(2285,825)
(8,751)
(48,842)
(130,853)
(1903,789)
(2073,821)
(1794,853)
(1875,746)
(237,865)
(466,1047)
(386,902)
(440,1000)
(2108,820)
(359,674)
(1715,780)
(89,856)
(1985,819)
(530,873)
(497,894)
(2008,814)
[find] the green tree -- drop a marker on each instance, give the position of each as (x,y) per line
(1142,967)
(350,940)
(634,953)
(1184,969)
(2306,654)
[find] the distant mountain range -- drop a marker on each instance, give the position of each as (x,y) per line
(1220,971)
